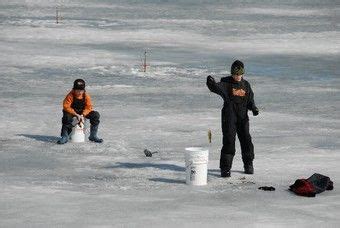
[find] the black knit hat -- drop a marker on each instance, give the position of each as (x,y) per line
(79,84)
(237,68)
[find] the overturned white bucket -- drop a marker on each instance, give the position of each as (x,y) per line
(196,163)
(78,134)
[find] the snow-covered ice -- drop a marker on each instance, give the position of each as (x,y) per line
(291,51)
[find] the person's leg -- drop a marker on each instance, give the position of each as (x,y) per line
(94,120)
(66,127)
(228,149)
(247,147)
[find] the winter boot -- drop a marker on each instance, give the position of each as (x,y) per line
(93,134)
(225,173)
(225,170)
(64,136)
(248,168)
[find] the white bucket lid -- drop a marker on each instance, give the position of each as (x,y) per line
(196,154)
(196,149)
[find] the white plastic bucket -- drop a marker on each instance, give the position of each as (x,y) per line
(78,134)
(196,163)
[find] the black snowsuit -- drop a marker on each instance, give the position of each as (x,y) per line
(235,119)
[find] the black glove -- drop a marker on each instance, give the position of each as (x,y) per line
(210,80)
(255,112)
(267,188)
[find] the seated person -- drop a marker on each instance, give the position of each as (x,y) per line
(77,105)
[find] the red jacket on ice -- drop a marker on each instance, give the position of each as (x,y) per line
(315,184)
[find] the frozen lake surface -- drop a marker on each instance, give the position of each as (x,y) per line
(291,52)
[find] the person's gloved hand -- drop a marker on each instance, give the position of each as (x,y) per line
(210,80)
(79,117)
(255,112)
(74,121)
(82,120)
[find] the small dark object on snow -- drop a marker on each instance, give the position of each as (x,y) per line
(148,153)
(267,188)
(315,184)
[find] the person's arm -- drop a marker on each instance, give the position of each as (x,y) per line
(67,104)
(216,87)
(251,103)
(88,105)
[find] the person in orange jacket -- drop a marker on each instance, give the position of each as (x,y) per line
(77,105)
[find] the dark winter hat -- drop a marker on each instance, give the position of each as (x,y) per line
(237,68)
(79,84)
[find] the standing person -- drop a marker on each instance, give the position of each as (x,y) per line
(77,105)
(238,99)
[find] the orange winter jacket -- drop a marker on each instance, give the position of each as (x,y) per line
(69,100)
